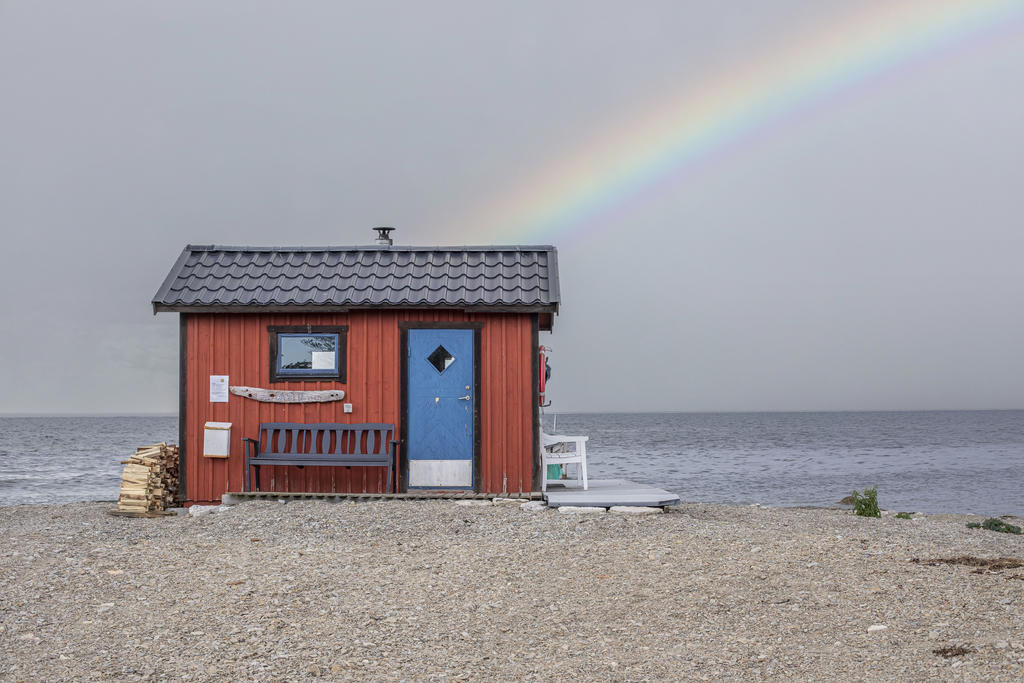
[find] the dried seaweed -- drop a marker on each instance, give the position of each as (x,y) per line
(954,650)
(983,564)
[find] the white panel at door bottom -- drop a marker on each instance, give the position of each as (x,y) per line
(441,473)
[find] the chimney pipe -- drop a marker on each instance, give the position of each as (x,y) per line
(384,236)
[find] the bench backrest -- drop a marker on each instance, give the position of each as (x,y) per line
(326,439)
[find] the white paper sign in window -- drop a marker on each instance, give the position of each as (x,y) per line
(323,360)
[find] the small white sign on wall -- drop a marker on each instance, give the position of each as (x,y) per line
(218,388)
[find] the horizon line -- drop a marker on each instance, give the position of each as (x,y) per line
(619,412)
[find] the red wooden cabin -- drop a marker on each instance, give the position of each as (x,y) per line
(364,320)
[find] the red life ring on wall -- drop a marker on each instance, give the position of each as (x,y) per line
(543,375)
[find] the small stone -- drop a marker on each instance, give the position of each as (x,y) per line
(933,635)
(509,501)
(335,668)
(756,549)
(877,627)
(1001,645)
(201,510)
(579,510)
(472,503)
(313,670)
(634,510)
(534,506)
(809,565)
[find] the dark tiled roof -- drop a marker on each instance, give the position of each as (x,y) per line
(307,277)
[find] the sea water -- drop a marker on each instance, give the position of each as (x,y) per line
(970,461)
(64,459)
(944,461)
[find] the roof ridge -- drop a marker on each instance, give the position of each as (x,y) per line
(372,247)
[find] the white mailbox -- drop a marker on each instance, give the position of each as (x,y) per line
(217,440)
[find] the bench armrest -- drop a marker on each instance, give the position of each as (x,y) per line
(252,449)
(549,440)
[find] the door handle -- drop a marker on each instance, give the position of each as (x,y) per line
(463,398)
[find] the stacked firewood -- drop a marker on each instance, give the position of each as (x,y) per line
(149,481)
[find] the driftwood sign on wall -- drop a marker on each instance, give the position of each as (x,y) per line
(279,396)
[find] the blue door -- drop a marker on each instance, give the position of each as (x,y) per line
(441,400)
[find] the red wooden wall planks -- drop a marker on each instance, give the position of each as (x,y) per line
(237,345)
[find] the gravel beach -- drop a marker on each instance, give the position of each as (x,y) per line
(430,590)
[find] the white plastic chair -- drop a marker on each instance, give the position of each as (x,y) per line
(578,455)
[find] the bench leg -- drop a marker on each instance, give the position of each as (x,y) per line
(583,463)
(247,473)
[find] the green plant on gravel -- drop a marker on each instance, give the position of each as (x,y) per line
(903,515)
(866,504)
(993,524)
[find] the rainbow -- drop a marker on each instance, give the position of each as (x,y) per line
(579,190)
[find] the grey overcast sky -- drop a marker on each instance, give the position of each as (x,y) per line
(861,251)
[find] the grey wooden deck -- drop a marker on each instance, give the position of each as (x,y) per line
(238,496)
(604,493)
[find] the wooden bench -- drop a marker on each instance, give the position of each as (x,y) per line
(321,445)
